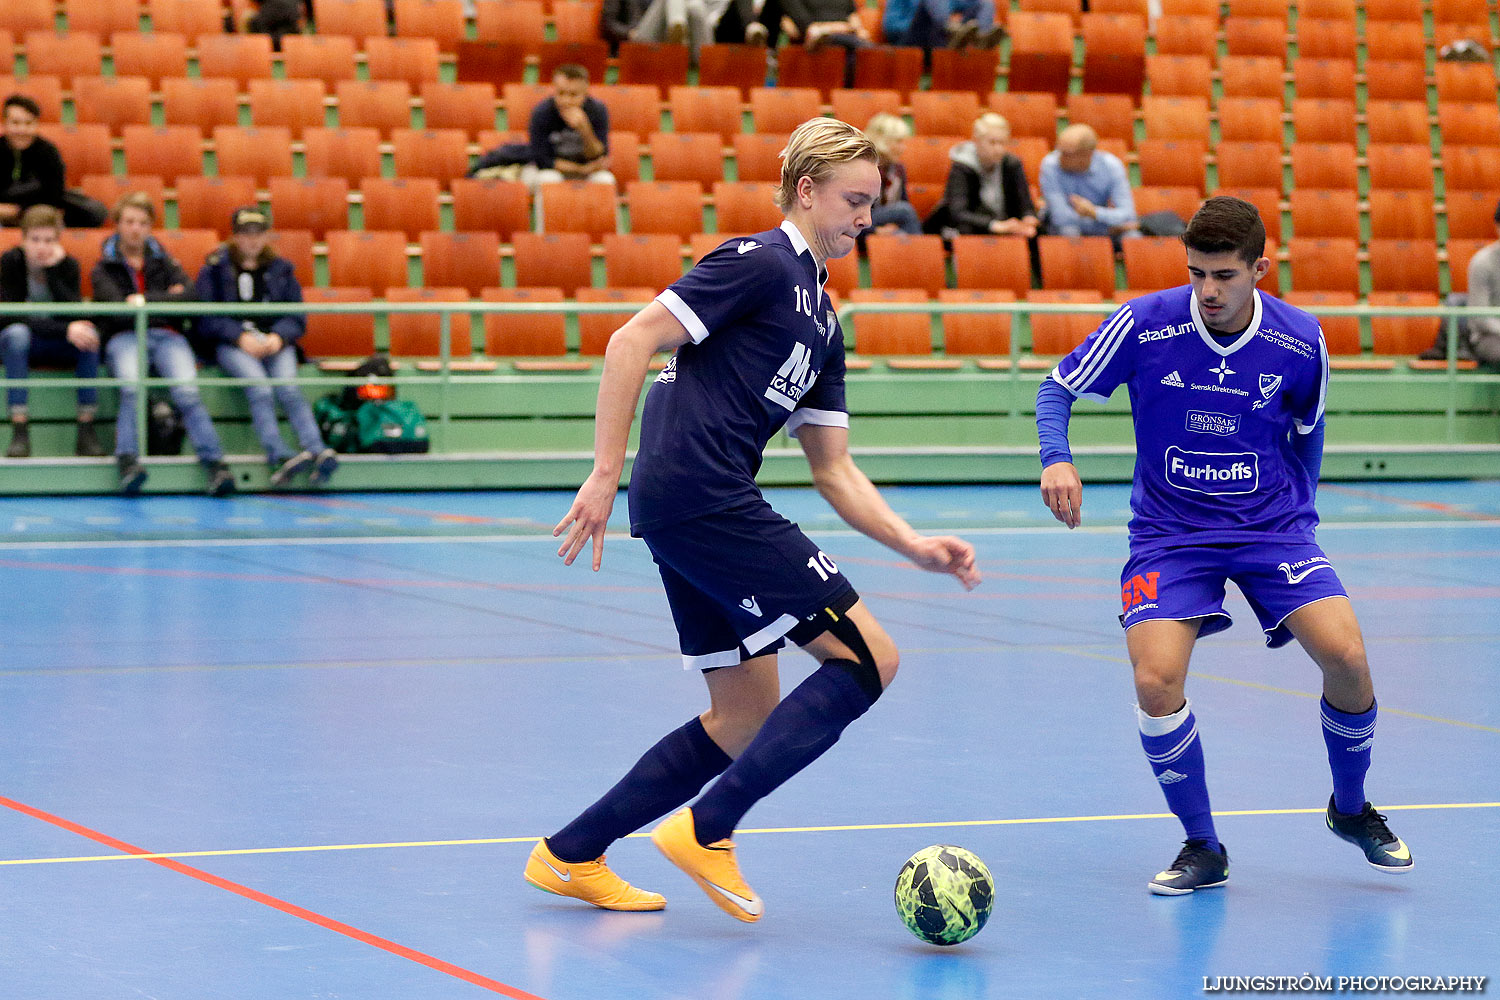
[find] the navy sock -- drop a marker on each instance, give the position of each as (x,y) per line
(800,729)
(1176,758)
(665,777)
(1349,738)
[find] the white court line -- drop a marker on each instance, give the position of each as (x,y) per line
(294,540)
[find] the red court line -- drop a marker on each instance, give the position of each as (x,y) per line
(293,909)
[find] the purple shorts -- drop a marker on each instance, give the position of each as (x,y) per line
(1187,581)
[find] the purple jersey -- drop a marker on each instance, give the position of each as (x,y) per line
(766,352)
(1213,419)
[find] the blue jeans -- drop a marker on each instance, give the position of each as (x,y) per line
(263,398)
(170,356)
(902,213)
(21,350)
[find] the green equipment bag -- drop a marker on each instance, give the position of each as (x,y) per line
(336,424)
(393,426)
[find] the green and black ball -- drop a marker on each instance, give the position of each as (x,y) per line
(944,894)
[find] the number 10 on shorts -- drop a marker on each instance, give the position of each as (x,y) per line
(822,565)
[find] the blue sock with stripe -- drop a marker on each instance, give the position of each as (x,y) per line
(1176,757)
(665,777)
(1349,738)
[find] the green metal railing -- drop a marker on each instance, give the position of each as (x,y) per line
(444,377)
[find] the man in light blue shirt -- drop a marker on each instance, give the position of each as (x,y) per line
(1086,189)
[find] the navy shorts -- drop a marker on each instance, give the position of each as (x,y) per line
(739,580)
(1187,581)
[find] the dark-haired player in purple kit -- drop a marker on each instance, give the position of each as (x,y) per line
(757,349)
(1227,388)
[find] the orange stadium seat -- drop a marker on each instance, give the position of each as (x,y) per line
(412,60)
(899,260)
(489,62)
(706,109)
(170,152)
(1029,115)
(113,101)
(944,113)
(843,275)
(516,22)
(575,21)
(29,15)
(1317,120)
(441,154)
(85,149)
(1179,118)
(1396,40)
(657,65)
(897,67)
(1273,9)
(1072,8)
(154,55)
(993,262)
(1454,11)
(208,202)
(421,334)
(1180,76)
(1403,265)
(1403,334)
(292,104)
(1263,37)
(891,332)
(1324,165)
(1059,333)
(376,259)
(633,108)
(442,20)
(350,153)
(1331,79)
(520,99)
(84,245)
(1114,53)
(1251,119)
(1191,8)
(329,58)
(356,19)
(975,333)
(857,107)
(350,335)
(296,245)
(1324,265)
(741,66)
(799,66)
(1460,252)
(1154,262)
(1326,214)
(1111,116)
(189,247)
(1397,121)
(1251,76)
(201,102)
(102,18)
(558,260)
(524,334)
(642,260)
(378,104)
(259,153)
(1470,168)
(1328,10)
(1395,80)
(965,69)
(673,207)
(577,206)
(1402,215)
(742,207)
(1248,164)
(701,244)
(595,329)
(781,109)
(927,157)
(316,204)
(1173,163)
(1041,52)
(1266,201)
(241,58)
(497,206)
(756,156)
(1187,35)
(408,205)
(1469,124)
(1340,333)
(592,56)
(1078,262)
(1326,40)
(1400,165)
(110,188)
(466,260)
(1470,214)
(469,107)
(1140,7)
(624,157)
(47,91)
(1181,201)
(67,56)
(693,156)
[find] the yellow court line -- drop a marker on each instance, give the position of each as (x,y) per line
(1025,821)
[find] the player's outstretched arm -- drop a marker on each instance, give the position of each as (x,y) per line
(626,361)
(1062,492)
(850,492)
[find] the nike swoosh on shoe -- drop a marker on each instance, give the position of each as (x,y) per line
(562,876)
(754,907)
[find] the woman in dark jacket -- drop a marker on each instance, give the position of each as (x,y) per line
(39,270)
(893,210)
(987,191)
(246,269)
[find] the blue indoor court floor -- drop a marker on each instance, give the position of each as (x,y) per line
(288,747)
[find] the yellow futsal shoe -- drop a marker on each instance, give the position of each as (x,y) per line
(713,867)
(590,881)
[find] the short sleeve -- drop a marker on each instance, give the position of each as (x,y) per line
(724,286)
(1309,410)
(1097,367)
(824,404)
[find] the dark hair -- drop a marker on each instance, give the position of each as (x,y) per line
(572,71)
(1497,212)
(23,102)
(1227,225)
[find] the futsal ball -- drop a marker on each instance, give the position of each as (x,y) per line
(944,894)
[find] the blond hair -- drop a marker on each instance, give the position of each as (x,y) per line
(885,129)
(137,200)
(815,149)
(992,123)
(41,217)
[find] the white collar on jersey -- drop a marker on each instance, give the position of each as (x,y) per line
(1240,341)
(800,245)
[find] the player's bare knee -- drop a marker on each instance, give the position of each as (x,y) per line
(1158,689)
(1345,661)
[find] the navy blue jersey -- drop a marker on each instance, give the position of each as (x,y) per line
(1213,421)
(766,352)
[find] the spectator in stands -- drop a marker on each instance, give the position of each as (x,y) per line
(618,18)
(677,21)
(32,173)
(246,269)
(134,268)
(816,23)
(569,133)
(1478,336)
(932,24)
(39,270)
(987,192)
(893,211)
(1086,189)
(275,18)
